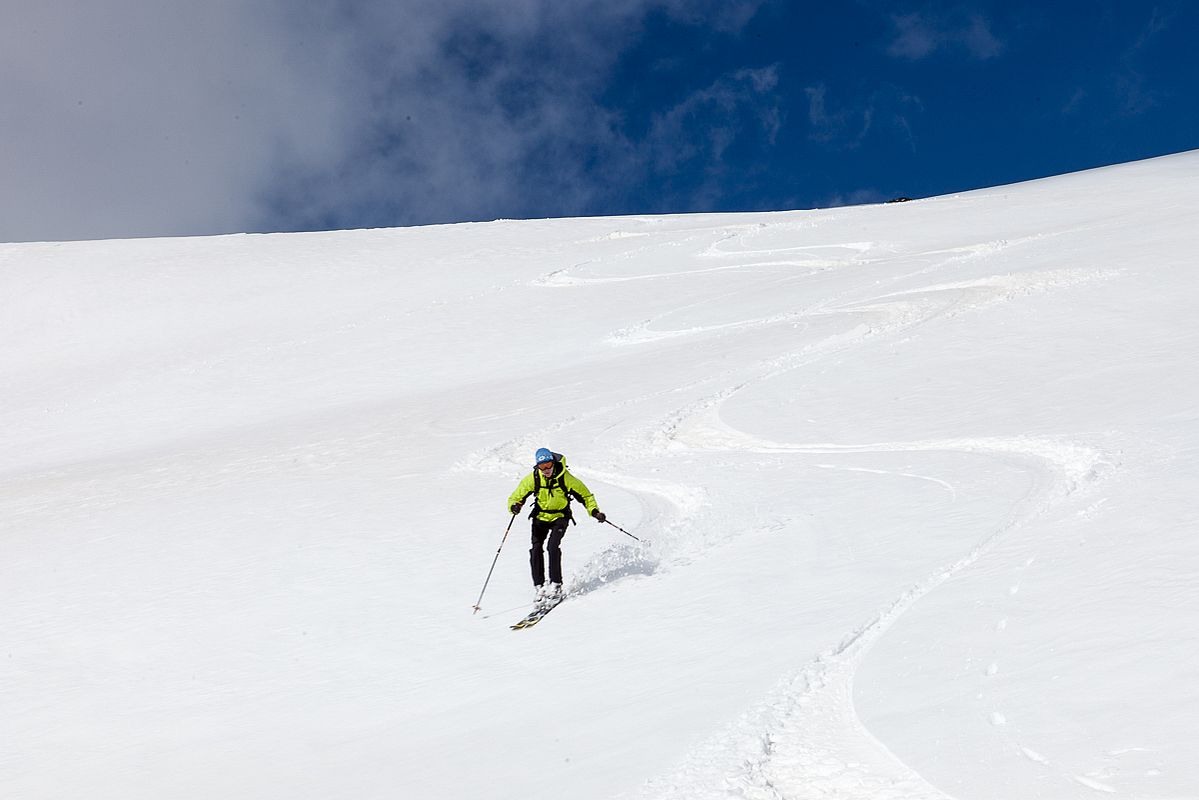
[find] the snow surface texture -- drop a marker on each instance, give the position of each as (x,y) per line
(919,481)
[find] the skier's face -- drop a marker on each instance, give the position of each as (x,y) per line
(547,468)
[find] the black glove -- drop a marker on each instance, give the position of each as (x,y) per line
(515,508)
(599,515)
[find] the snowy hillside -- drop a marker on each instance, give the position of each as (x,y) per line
(918,482)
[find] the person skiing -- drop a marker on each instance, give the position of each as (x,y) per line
(552,487)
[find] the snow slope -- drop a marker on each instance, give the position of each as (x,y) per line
(917,480)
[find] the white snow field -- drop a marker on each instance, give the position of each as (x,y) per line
(919,484)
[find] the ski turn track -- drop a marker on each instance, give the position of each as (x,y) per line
(804,741)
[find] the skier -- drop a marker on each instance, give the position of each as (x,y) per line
(552,487)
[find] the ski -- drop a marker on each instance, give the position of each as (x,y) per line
(534,616)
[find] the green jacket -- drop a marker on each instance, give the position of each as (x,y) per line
(553,498)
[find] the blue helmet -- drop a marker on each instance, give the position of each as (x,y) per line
(543,455)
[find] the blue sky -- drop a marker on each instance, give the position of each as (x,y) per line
(140,119)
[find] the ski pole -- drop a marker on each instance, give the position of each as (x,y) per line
(626,533)
(493,563)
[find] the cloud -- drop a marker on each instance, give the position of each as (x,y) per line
(1132,94)
(728,16)
(1129,83)
(919,35)
(705,123)
(888,108)
(126,118)
(848,127)
(685,150)
(1125,91)
(498,111)
(131,119)
(1075,103)
(486,109)
(1159,21)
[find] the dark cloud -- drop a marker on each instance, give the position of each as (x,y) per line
(497,110)
(129,119)
(125,118)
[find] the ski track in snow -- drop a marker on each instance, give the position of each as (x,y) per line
(804,740)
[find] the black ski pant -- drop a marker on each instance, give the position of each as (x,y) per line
(553,531)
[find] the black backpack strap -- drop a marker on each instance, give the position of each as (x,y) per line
(561,481)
